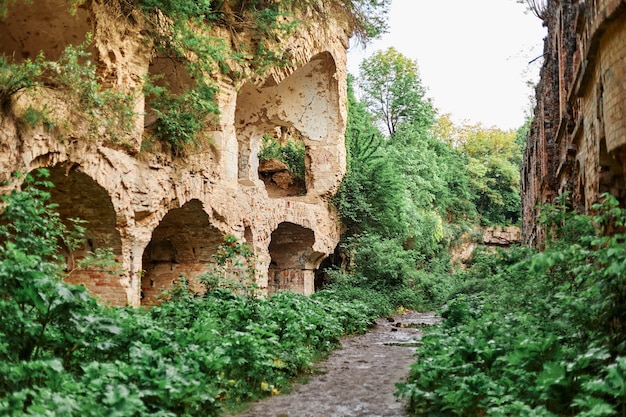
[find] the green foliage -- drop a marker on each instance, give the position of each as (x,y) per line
(394,202)
(61,353)
(536,334)
(18,77)
(104,109)
(372,197)
(393,91)
(493,159)
(40,313)
(234,268)
(436,176)
(33,117)
(292,153)
(180,118)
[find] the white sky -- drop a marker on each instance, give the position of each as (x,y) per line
(472,55)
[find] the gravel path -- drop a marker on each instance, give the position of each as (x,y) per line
(359,379)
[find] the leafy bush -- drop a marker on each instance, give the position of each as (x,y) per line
(180,118)
(62,353)
(292,153)
(545,334)
(17,77)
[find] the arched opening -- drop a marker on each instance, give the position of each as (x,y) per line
(282,163)
(334,261)
(303,109)
(78,196)
(182,244)
(293,260)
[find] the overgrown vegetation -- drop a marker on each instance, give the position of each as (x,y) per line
(63,353)
(291,153)
(101,110)
(181,31)
(412,191)
(534,334)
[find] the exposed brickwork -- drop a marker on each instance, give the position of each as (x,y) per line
(164,215)
(577,142)
(293,261)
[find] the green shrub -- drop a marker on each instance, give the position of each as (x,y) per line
(61,353)
(543,336)
(18,77)
(292,153)
(181,118)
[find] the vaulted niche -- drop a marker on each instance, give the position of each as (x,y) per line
(42,26)
(293,261)
(182,244)
(79,196)
(304,109)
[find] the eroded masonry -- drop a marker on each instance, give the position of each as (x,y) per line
(577,142)
(163,214)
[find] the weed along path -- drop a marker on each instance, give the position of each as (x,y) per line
(357,380)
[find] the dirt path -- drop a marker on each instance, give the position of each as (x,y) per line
(359,379)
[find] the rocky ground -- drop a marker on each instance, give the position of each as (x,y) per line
(359,379)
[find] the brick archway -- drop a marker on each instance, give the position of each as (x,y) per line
(182,244)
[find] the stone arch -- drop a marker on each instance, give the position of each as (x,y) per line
(79,196)
(307,104)
(46,26)
(293,260)
(331,262)
(182,244)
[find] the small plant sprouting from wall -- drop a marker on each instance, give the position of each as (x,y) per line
(181,118)
(104,110)
(18,77)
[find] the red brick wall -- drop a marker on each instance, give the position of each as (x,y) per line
(578,136)
(103,285)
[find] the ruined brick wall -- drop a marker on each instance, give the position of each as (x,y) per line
(164,215)
(576,142)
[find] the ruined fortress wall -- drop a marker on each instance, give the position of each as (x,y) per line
(577,142)
(164,215)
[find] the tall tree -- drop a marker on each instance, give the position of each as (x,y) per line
(393,91)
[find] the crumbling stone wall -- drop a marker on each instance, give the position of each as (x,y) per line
(164,215)
(577,141)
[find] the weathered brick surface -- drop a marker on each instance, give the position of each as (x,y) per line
(577,140)
(165,215)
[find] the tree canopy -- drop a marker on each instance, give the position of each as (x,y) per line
(393,91)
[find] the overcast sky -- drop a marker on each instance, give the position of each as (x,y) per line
(473,55)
